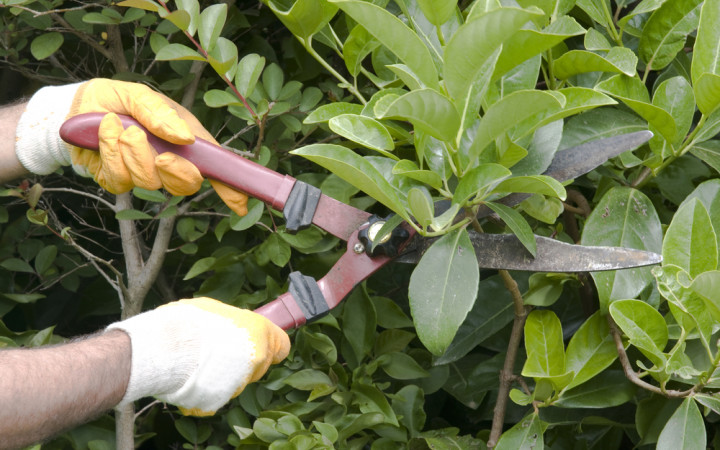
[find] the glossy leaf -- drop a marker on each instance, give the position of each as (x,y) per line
(46,44)
(305,17)
(357,46)
(526,43)
(590,351)
(517,224)
(666,30)
(643,325)
(624,218)
(492,312)
(706,51)
(707,92)
(223,58)
(409,169)
(326,112)
(479,182)
(363,130)
(608,389)
(690,240)
(394,35)
(428,110)
(421,206)
(544,345)
(633,93)
(707,286)
(598,10)
(408,405)
(469,55)
(354,169)
(527,434)
(210,25)
(508,112)
(189,9)
(438,11)
(685,429)
(533,184)
(147,5)
(675,95)
(442,289)
(371,400)
(618,60)
(178,52)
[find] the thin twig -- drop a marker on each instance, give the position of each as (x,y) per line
(506,374)
(83,193)
(632,375)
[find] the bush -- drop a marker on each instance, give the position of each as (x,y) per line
(403,103)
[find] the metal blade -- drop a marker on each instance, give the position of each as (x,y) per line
(579,160)
(505,251)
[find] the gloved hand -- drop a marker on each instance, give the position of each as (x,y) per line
(199,353)
(125,159)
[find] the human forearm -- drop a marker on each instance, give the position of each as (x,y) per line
(10,167)
(46,390)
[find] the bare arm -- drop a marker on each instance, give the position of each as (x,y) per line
(44,391)
(10,167)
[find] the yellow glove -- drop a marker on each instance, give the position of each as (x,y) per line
(125,159)
(199,353)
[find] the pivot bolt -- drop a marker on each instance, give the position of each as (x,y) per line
(359,248)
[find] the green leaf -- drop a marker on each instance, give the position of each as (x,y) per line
(356,47)
(690,240)
(665,32)
(707,92)
(223,58)
(643,325)
(305,17)
(408,404)
(527,434)
(618,60)
(255,211)
(479,181)
(190,12)
(517,224)
(469,49)
(685,429)
(708,152)
(491,313)
(409,169)
(544,345)
(675,95)
(438,11)
(180,18)
(526,43)
(215,98)
(707,286)
(308,379)
(355,170)
(508,112)
(22,298)
(442,289)
(326,112)
(178,52)
(371,400)
(623,218)
(103,18)
(249,69)
(132,214)
(150,196)
(598,10)
(401,366)
(16,265)
(365,131)
(147,5)
(533,184)
(706,51)
(45,258)
(273,78)
(633,93)
(590,351)
(608,389)
(428,110)
(46,44)
(210,25)
(394,35)
(359,324)
(200,266)
(421,206)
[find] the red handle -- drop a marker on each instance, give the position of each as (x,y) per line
(212,160)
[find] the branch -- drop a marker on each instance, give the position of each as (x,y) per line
(83,36)
(506,374)
(97,198)
(632,375)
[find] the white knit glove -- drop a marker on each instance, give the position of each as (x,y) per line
(199,353)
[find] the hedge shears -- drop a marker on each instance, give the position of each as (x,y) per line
(303,205)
